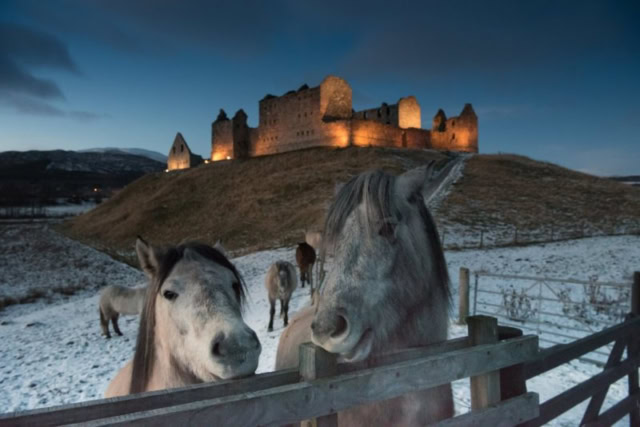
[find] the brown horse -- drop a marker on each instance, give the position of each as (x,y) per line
(191,327)
(280,283)
(387,289)
(116,300)
(305,257)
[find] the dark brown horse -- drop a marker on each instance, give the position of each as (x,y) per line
(306,257)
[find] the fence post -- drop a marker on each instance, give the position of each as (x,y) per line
(485,389)
(481,238)
(512,380)
(314,363)
(463,296)
(634,349)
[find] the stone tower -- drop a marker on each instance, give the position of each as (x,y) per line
(221,137)
(241,140)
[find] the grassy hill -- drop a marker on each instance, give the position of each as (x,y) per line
(249,204)
(269,201)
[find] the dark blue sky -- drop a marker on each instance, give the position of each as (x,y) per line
(554,80)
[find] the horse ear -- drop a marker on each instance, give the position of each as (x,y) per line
(412,181)
(218,246)
(147,257)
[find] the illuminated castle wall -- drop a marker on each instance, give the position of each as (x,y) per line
(322,116)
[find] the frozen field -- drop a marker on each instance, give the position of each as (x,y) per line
(52,351)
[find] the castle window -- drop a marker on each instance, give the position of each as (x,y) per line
(181,148)
(453,123)
(379,113)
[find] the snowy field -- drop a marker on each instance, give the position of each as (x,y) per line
(53,353)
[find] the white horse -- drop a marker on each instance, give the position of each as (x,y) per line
(116,300)
(387,289)
(191,327)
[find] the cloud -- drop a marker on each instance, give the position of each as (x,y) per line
(15,78)
(34,49)
(37,107)
(23,49)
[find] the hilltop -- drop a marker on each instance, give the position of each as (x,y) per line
(269,201)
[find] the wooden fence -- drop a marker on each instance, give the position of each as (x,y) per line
(321,387)
(498,361)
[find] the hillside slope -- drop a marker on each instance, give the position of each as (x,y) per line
(514,199)
(269,201)
(248,204)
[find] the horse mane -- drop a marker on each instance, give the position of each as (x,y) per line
(144,356)
(374,190)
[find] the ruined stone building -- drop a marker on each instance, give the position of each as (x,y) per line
(322,116)
(180,156)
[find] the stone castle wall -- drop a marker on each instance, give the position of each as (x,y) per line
(322,116)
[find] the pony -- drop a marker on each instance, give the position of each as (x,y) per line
(116,300)
(387,289)
(305,257)
(280,283)
(191,326)
(314,238)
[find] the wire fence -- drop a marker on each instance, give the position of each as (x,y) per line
(454,236)
(559,311)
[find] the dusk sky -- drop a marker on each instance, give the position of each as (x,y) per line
(554,80)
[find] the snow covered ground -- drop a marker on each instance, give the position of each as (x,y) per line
(53,353)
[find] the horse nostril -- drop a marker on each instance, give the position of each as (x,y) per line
(341,326)
(216,349)
(313,326)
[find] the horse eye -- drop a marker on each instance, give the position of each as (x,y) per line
(170,295)
(387,230)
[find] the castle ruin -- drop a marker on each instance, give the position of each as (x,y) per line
(180,156)
(322,116)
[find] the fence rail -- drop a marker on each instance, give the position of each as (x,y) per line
(285,396)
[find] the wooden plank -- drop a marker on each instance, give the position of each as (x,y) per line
(407,354)
(103,408)
(563,353)
(595,404)
(512,380)
(463,295)
(316,363)
(485,389)
(617,411)
(507,413)
(566,400)
(151,400)
(294,402)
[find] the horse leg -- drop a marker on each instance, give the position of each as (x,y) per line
(285,303)
(272,312)
(302,277)
(114,320)
(104,324)
(281,309)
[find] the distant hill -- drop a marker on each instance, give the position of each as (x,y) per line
(269,201)
(631,179)
(41,177)
(153,155)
